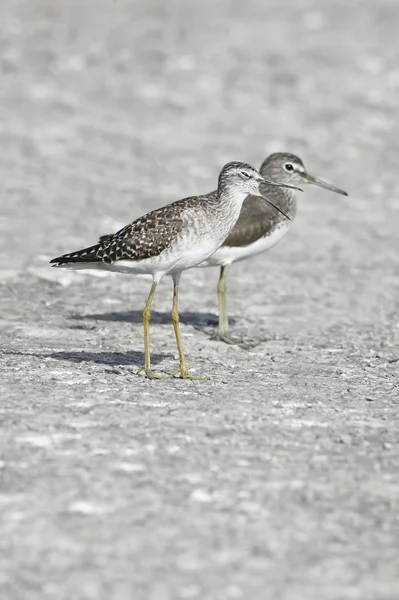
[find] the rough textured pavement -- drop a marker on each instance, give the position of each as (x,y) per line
(278,478)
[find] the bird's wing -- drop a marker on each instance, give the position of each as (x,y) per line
(104,238)
(146,237)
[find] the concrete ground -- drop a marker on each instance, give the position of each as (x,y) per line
(278,478)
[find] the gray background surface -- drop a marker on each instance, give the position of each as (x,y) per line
(278,478)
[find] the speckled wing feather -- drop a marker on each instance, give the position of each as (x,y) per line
(257,219)
(146,237)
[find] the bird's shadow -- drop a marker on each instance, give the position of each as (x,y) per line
(205,322)
(133,358)
(197,320)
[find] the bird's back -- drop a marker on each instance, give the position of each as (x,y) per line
(148,236)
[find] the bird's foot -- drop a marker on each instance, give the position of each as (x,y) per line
(152,375)
(184,374)
(233,340)
(227,338)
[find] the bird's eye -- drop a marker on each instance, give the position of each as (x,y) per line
(288,167)
(245,174)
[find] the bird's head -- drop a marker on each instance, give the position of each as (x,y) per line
(289,169)
(246,179)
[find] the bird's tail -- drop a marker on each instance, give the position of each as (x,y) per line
(87,255)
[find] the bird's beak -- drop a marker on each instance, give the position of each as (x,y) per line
(274,206)
(263,180)
(323,184)
(284,185)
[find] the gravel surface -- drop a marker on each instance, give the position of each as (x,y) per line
(278,477)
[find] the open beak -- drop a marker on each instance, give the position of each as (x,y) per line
(323,184)
(268,181)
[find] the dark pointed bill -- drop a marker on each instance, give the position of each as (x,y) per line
(323,184)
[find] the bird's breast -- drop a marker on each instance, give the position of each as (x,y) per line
(226,255)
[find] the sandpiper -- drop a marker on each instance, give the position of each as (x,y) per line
(169,240)
(259,226)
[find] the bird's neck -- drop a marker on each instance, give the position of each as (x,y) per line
(228,206)
(230,196)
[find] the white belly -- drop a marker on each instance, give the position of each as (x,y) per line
(192,256)
(166,263)
(225,255)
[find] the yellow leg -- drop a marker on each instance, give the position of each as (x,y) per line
(223,328)
(184,374)
(222,332)
(146,324)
